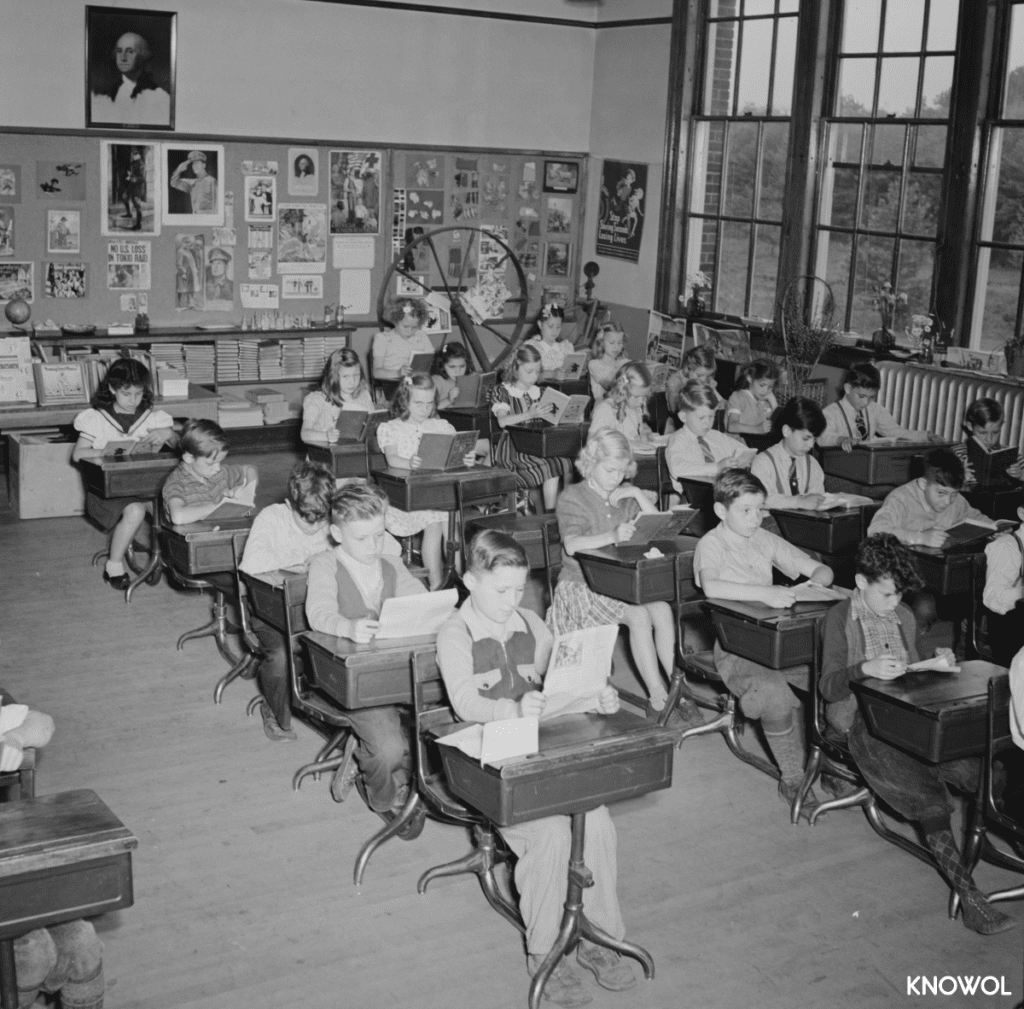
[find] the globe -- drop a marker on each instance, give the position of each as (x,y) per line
(17,311)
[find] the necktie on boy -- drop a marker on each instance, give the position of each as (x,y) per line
(794,482)
(862,424)
(709,456)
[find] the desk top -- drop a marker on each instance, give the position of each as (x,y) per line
(613,556)
(930,690)
(888,447)
(464,474)
(346,651)
(61,829)
(140,461)
(769,616)
(224,527)
(821,516)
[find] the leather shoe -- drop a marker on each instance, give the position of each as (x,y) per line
(118,582)
(685,715)
(562,987)
(611,971)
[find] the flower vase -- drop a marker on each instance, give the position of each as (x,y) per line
(1014,361)
(695,307)
(883,340)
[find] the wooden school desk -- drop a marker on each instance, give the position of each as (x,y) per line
(834,535)
(935,716)
(874,468)
(638,580)
(584,761)
(134,476)
(347,458)
(997,500)
(203,548)
(546,441)
(564,383)
(62,857)
(471,418)
(700,493)
(953,575)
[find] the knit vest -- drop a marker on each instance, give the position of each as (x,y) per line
(350,600)
(490,655)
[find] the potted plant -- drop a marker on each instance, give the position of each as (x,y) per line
(890,303)
(803,330)
(695,306)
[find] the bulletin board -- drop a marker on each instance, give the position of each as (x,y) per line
(203,231)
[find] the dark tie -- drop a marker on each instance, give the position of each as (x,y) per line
(862,425)
(709,456)
(794,483)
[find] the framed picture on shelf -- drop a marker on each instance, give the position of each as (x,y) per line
(60,382)
(130,59)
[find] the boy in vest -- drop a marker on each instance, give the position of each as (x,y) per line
(875,635)
(1004,590)
(347,587)
(492,654)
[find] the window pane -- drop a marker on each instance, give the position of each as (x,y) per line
(785,61)
(1013,105)
(921,204)
(723,8)
(844,197)
(887,144)
(766,271)
(835,249)
(789,6)
(701,245)
(897,92)
(881,200)
(860,28)
(756,63)
(1008,224)
(904,23)
(773,170)
(752,7)
(917,265)
(874,267)
(848,137)
(721,58)
(931,146)
(731,291)
(708,163)
(739,192)
(942,18)
(938,81)
(856,90)
(1001,290)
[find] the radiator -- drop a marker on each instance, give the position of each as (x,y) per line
(934,399)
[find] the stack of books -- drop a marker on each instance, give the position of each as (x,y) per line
(270,361)
(279,410)
(227,360)
(312,356)
(291,359)
(200,363)
(333,342)
(248,360)
(169,353)
(233,411)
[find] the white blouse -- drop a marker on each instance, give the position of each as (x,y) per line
(98,429)
(403,436)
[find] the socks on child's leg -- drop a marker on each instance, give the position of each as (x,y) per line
(114,568)
(787,748)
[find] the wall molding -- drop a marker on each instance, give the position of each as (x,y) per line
(499,15)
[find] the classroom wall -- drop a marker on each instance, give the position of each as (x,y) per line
(627,123)
(294,68)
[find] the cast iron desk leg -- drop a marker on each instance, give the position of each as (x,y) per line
(155,559)
(575,924)
(8,978)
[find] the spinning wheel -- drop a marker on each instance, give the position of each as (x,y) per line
(448,261)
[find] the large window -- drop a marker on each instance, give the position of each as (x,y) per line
(880,196)
(739,143)
(998,307)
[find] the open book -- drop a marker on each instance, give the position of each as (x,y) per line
(475,389)
(240,506)
(357,425)
(663,526)
(568,409)
(497,741)
(445,451)
(421,362)
(579,668)
(843,501)
(968,531)
(142,448)
(415,616)
(573,363)
(989,467)
(808,592)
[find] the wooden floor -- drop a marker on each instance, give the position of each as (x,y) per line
(243,888)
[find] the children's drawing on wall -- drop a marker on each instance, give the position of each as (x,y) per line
(303,171)
(220,280)
(128,266)
(63,230)
(495,196)
(260,199)
(10,187)
(189,289)
(129,191)
(398,202)
(620,221)
(6,231)
(17,280)
(64,280)
(61,180)
(302,285)
(528,187)
(424,171)
(355,192)
(425,206)
(302,238)
(260,264)
(559,215)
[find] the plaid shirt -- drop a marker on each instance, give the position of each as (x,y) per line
(882,635)
(193,491)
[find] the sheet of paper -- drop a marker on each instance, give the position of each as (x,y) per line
(415,616)
(940,663)
(808,593)
(11,716)
(259,295)
(354,252)
(354,291)
(469,740)
(509,737)
(581,661)
(843,501)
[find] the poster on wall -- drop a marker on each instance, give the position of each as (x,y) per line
(220,280)
(303,171)
(301,238)
(129,189)
(128,266)
(17,281)
(64,280)
(355,192)
(6,231)
(189,272)
(63,231)
(620,223)
(195,195)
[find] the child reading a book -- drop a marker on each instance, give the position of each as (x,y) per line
(286,535)
(393,349)
(699,364)
(858,416)
(696,450)
(983,423)
(121,411)
(202,482)
(492,654)
(414,414)
(547,340)
(346,589)
(607,355)
(516,401)
(624,409)
(875,635)
(601,511)
(342,387)
(736,560)
(751,406)
(451,362)
(792,476)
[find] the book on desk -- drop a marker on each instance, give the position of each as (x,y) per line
(475,389)
(568,409)
(445,451)
(359,425)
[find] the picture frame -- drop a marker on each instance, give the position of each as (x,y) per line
(130,181)
(63,232)
(17,280)
(561,176)
(260,201)
(6,230)
(60,382)
(64,279)
(354,177)
(557,259)
(130,68)
(193,184)
(303,169)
